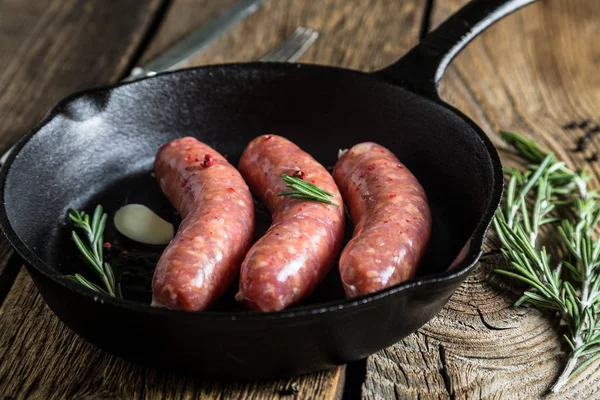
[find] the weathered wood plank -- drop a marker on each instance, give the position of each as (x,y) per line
(40,357)
(49,49)
(360,34)
(531,73)
(182,17)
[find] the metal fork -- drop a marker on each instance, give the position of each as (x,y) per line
(293,47)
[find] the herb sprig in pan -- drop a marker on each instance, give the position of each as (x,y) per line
(567,280)
(305,190)
(92,251)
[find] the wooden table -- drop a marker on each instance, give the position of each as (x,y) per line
(532,72)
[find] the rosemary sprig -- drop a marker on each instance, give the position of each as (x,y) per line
(568,280)
(305,190)
(92,251)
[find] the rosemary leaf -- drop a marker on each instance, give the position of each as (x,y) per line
(90,285)
(96,219)
(109,274)
(560,198)
(305,190)
(87,255)
(92,251)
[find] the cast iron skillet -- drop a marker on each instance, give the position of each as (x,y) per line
(97,146)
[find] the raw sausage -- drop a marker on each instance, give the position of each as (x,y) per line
(305,237)
(217,225)
(391,215)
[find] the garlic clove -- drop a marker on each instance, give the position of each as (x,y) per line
(139,223)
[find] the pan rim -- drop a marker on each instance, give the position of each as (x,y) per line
(456,273)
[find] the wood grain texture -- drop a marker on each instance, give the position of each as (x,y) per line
(358,34)
(531,73)
(41,358)
(49,49)
(183,17)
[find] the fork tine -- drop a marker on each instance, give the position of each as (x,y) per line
(292,42)
(275,54)
(309,37)
(293,47)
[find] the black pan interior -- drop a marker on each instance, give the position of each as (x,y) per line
(100,145)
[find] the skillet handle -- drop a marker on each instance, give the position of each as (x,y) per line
(422,68)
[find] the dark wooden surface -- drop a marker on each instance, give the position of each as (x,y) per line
(50,48)
(39,357)
(532,73)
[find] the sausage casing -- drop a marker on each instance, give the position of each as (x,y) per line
(391,216)
(305,237)
(217,225)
